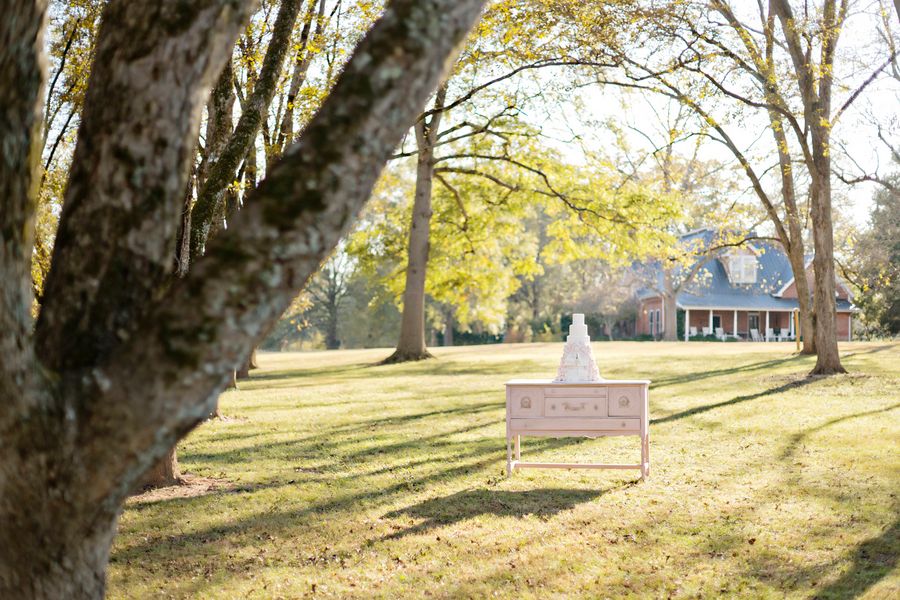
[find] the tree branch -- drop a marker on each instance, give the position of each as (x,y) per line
(536,65)
(129,172)
(864,85)
(221,173)
(209,320)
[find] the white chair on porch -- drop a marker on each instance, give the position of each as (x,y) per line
(770,334)
(754,335)
(706,331)
(720,333)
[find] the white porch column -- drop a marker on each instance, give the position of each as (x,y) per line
(710,323)
(735,325)
(791,323)
(687,324)
(767,326)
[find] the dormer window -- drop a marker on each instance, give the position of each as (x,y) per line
(742,268)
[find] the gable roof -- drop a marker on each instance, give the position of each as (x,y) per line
(712,288)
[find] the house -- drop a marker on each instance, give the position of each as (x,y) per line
(745,293)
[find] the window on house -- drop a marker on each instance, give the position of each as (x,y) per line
(742,268)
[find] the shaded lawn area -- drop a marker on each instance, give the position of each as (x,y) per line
(335,478)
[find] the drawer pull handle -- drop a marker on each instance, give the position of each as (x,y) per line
(568,406)
(525,402)
(624,401)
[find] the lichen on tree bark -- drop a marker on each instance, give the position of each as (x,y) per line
(124,365)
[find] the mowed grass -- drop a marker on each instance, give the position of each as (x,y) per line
(332,477)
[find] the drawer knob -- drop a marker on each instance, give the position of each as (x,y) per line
(525,402)
(624,401)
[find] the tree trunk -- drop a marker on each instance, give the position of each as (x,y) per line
(49,560)
(449,322)
(243,372)
(332,342)
(670,308)
(411,345)
(792,235)
(164,473)
(807,322)
(249,365)
(828,360)
(135,358)
(815,83)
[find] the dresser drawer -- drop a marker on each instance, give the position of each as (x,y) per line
(626,401)
(526,402)
(582,426)
(574,407)
(575,392)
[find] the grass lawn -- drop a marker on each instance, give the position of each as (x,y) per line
(334,478)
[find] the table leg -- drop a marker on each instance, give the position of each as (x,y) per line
(645,455)
(508,456)
(518,447)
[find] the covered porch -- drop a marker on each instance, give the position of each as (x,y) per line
(740,324)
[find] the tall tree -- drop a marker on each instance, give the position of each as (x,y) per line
(411,345)
(123,361)
(720,59)
(327,291)
(511,36)
(874,263)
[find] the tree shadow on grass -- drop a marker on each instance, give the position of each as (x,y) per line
(336,437)
(243,531)
(736,400)
(873,560)
(378,371)
(468,504)
(798,438)
(698,375)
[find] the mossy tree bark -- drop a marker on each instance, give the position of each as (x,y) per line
(411,345)
(125,359)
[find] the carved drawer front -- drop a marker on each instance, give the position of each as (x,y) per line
(576,392)
(625,401)
(569,406)
(526,402)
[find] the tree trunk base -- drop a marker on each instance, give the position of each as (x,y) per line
(164,474)
(827,370)
(402,356)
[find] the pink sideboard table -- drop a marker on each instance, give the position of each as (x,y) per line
(540,407)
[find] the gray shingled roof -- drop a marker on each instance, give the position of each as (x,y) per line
(712,288)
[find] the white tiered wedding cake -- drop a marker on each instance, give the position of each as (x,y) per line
(577,364)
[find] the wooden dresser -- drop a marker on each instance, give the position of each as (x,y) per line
(540,407)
